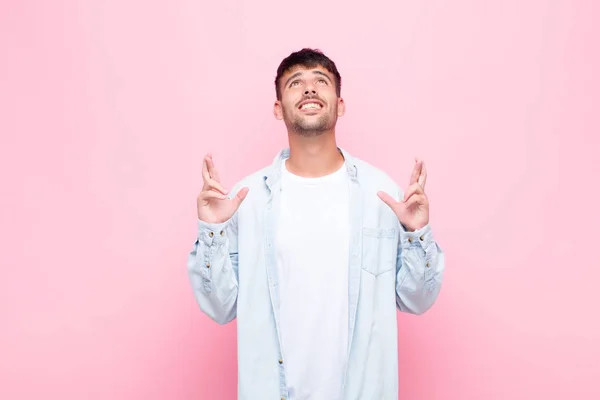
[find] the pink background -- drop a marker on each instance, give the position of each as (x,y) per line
(108,107)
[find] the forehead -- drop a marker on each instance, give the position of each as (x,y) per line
(303,70)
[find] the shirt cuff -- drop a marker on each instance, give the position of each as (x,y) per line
(212,233)
(421,237)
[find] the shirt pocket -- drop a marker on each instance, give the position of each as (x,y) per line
(379,250)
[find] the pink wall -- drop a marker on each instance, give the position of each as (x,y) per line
(106,109)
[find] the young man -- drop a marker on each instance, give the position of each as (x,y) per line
(313,254)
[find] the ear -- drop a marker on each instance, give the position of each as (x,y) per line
(341,107)
(278,110)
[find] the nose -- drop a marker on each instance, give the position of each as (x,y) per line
(310,90)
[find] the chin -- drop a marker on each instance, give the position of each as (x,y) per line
(310,130)
(308,125)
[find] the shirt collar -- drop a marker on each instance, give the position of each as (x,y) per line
(273,174)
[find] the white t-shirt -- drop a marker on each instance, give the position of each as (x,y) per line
(312,265)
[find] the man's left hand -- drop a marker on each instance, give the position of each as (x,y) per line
(413,210)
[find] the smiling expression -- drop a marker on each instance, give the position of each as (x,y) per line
(309,104)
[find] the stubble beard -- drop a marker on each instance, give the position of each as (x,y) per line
(303,127)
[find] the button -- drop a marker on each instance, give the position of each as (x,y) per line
(427,265)
(422,237)
(222,233)
(280,361)
(207,265)
(410,239)
(211,234)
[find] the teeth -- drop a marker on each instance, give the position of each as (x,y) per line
(310,105)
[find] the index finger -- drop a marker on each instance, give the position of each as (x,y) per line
(212,170)
(205,174)
(423,176)
(416,172)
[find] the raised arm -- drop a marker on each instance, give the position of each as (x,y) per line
(213,262)
(420,261)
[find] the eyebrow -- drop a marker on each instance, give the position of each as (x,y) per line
(292,77)
(300,73)
(322,73)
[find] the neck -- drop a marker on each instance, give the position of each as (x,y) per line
(313,156)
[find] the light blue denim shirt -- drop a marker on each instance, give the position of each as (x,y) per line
(233,274)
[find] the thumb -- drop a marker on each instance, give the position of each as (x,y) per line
(387,199)
(239,197)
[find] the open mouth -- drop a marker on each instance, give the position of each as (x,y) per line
(310,105)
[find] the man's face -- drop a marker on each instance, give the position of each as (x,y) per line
(309,105)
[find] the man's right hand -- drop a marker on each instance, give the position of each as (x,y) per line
(213,205)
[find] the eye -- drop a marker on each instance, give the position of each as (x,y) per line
(294,83)
(322,81)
